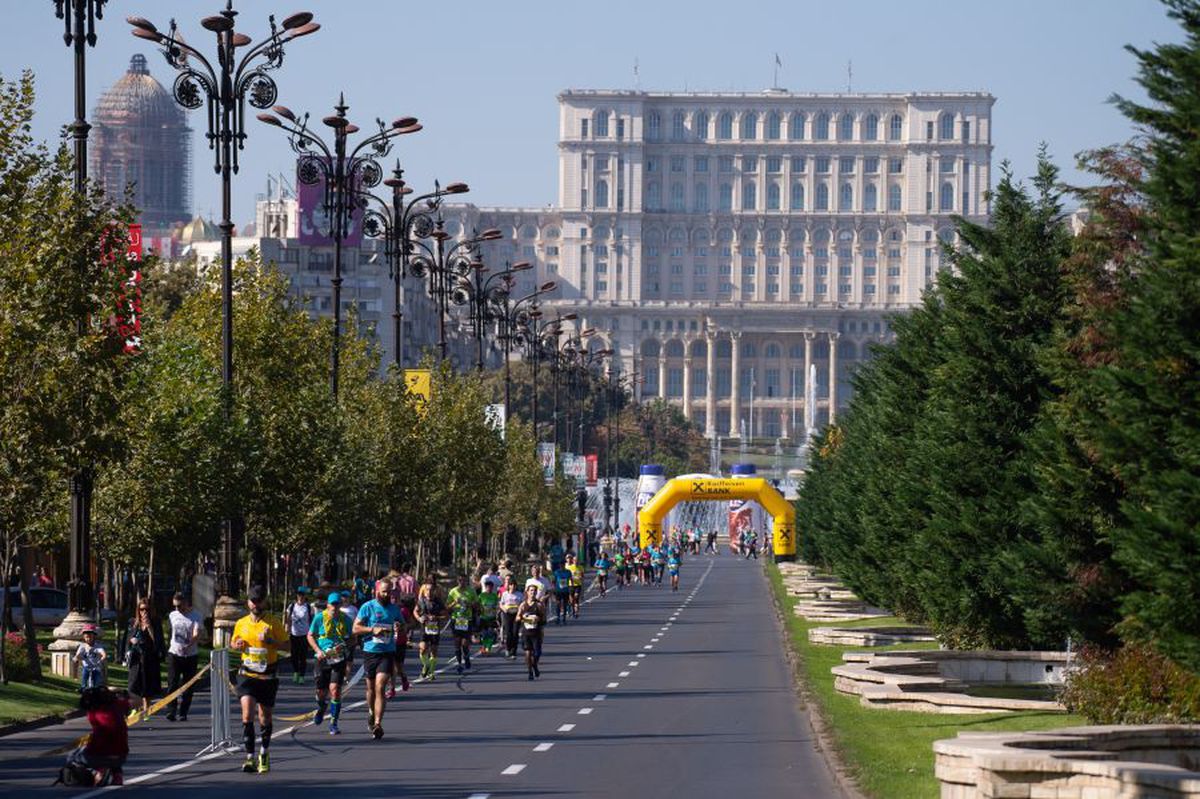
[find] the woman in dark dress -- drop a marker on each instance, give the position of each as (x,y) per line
(145,653)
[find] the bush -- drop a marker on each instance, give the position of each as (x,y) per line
(1134,685)
(16,658)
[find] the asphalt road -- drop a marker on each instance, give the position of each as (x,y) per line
(650,693)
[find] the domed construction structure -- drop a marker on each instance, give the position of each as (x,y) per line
(140,137)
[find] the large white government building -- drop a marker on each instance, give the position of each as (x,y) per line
(723,242)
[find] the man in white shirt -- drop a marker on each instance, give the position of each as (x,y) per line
(543,584)
(297,618)
(182,655)
(491,577)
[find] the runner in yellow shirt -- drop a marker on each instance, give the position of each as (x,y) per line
(576,569)
(259,638)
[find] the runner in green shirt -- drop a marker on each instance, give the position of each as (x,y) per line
(463,602)
(489,607)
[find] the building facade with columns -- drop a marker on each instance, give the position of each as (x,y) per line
(724,243)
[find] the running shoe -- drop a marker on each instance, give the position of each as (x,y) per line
(377,732)
(320,715)
(404,683)
(370,719)
(249,766)
(264,762)
(333,728)
(391,692)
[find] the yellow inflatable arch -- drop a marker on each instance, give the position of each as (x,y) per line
(699,489)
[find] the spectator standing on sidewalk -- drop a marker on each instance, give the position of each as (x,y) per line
(298,618)
(182,655)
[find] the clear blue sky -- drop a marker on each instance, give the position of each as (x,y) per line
(483,77)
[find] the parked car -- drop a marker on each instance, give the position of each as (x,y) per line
(49,606)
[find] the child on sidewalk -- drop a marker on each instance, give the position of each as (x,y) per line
(91,657)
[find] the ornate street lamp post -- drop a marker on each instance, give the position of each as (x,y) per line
(536,337)
(445,264)
(512,316)
(399,224)
(225,90)
(79,32)
(484,296)
(345,174)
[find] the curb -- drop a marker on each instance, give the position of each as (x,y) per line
(821,728)
(38,723)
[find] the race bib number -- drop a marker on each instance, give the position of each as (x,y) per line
(255,659)
(335,655)
(382,638)
(530,622)
(601,572)
(431,629)
(462,625)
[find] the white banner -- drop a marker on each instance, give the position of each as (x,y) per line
(494,416)
(546,456)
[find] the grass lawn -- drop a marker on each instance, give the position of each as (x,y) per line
(53,696)
(889,752)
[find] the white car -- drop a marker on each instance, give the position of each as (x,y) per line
(49,607)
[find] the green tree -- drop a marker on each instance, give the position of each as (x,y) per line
(61,260)
(1143,425)
(1002,301)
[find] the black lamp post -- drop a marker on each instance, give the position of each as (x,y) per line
(483,295)
(445,264)
(512,318)
(568,360)
(555,367)
(345,175)
(225,90)
(532,334)
(79,32)
(398,224)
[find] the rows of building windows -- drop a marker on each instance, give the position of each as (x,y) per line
(837,264)
(750,125)
(789,191)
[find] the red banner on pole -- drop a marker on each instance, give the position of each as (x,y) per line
(128,317)
(593,469)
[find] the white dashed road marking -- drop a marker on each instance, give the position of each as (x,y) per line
(585,711)
(623,674)
(544,747)
(566,728)
(515,768)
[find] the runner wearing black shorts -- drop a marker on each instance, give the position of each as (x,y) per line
(259,639)
(329,637)
(532,618)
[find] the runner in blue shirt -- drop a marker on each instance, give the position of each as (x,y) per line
(657,560)
(330,638)
(562,593)
(379,623)
(603,564)
(673,568)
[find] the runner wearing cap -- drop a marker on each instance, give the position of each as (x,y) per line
(329,637)
(379,622)
(259,639)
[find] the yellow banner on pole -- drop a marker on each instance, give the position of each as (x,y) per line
(420,384)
